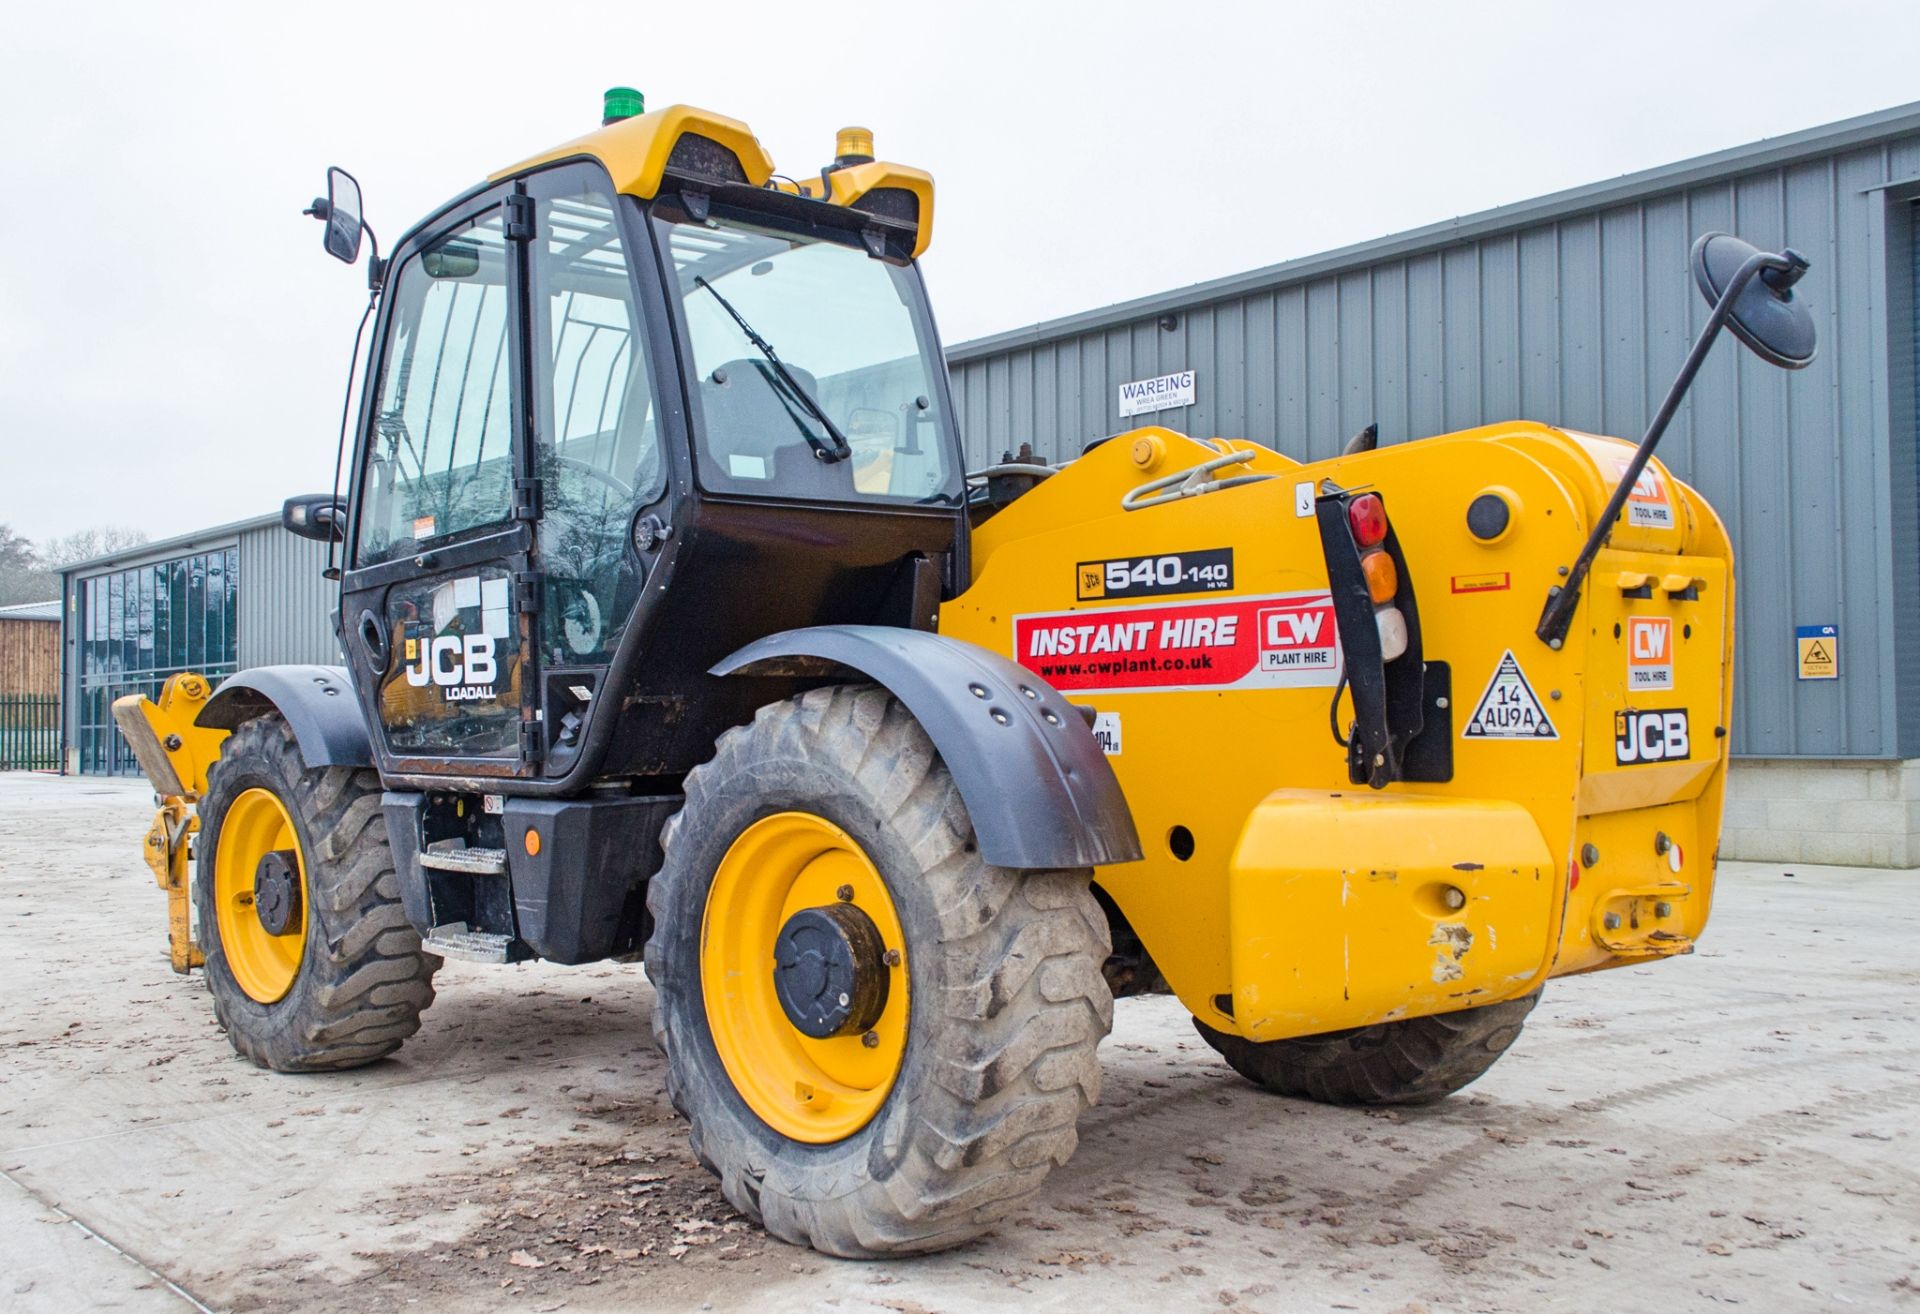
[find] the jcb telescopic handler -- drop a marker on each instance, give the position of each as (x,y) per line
(675,629)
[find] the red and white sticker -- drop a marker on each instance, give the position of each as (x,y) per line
(1275,641)
(1649,653)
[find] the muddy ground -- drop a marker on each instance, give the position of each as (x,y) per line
(1736,1128)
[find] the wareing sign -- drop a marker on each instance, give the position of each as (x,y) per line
(1158,394)
(1277,641)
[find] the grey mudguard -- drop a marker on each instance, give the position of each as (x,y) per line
(1035,782)
(317,702)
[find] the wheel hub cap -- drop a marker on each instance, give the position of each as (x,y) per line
(276,891)
(828,973)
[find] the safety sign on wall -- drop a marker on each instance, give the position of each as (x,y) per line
(1819,651)
(1160,394)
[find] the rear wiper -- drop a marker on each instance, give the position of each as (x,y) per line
(840,450)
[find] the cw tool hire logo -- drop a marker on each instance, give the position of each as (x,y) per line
(1278,641)
(1649,652)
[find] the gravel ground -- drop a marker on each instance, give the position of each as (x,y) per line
(1734,1128)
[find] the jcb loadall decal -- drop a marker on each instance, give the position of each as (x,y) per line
(1276,641)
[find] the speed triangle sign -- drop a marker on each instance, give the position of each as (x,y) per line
(1509,708)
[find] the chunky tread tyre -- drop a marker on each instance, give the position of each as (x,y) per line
(363,979)
(1413,1061)
(1008,1005)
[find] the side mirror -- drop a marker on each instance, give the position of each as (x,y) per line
(340,211)
(320,516)
(1765,314)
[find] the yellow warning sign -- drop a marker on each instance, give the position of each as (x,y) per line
(1819,651)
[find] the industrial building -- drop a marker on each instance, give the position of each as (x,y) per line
(1575,309)
(215,601)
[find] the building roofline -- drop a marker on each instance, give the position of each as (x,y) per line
(1769,153)
(141,553)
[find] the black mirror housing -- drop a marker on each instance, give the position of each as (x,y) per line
(319,516)
(343,210)
(1774,324)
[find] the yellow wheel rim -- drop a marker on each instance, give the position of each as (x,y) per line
(263,964)
(806,1089)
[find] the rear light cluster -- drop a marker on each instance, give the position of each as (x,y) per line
(1367,518)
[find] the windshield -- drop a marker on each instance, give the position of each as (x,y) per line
(849,338)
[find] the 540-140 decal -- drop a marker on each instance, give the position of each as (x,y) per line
(1207,571)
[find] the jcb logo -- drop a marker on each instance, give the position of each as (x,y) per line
(1649,653)
(461,664)
(1654,735)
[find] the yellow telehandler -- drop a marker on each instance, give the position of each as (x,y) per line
(675,628)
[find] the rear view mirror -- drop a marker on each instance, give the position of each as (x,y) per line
(451,260)
(320,516)
(1765,314)
(342,216)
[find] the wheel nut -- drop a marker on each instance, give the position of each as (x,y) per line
(891,958)
(844,894)
(1453,897)
(1612,921)
(871,1040)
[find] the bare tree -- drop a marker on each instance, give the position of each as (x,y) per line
(83,544)
(22,577)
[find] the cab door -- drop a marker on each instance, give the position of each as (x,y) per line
(436,615)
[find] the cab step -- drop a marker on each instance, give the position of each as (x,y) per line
(455,940)
(474,862)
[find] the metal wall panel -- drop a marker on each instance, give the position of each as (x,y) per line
(286,607)
(1580,319)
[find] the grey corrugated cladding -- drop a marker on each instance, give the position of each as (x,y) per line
(286,606)
(1576,310)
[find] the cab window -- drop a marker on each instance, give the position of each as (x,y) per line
(439,461)
(852,337)
(597,418)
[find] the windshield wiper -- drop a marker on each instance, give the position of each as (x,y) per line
(840,450)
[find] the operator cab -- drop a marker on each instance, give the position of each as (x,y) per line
(630,406)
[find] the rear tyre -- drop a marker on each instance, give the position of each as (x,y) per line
(982,1055)
(310,957)
(1413,1061)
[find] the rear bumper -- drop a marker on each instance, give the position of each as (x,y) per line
(1349,909)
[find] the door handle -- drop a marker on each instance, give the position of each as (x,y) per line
(373,638)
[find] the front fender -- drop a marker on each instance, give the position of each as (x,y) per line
(1035,782)
(317,702)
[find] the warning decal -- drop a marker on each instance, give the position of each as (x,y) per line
(1509,709)
(1819,651)
(1276,641)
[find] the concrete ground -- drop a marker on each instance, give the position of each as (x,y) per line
(1736,1128)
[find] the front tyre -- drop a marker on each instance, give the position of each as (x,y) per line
(310,957)
(881,1042)
(1415,1060)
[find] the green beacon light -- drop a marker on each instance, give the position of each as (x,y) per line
(621,103)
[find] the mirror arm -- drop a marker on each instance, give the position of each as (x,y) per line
(1557,615)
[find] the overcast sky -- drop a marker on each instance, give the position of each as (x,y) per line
(173,341)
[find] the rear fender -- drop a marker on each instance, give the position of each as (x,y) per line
(1039,790)
(317,702)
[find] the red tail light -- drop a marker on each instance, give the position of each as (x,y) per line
(1368,520)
